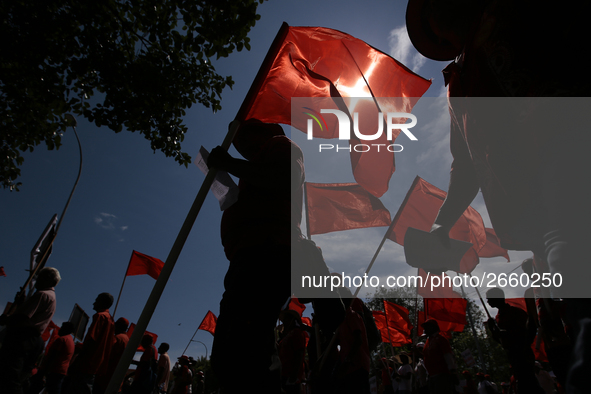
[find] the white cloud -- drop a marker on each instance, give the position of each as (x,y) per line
(402,49)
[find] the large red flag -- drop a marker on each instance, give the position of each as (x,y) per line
(397,317)
(343,206)
(451,310)
(389,334)
(419,210)
(321,62)
(140,347)
(445,328)
(208,323)
(141,264)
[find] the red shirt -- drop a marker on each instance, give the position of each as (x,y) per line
(95,353)
(59,355)
(150,354)
(434,352)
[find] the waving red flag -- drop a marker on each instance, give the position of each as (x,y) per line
(445,328)
(140,347)
(451,310)
(397,317)
(321,62)
(343,206)
(435,286)
(389,334)
(419,210)
(295,305)
(142,264)
(208,323)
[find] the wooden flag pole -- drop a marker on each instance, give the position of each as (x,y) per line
(158,289)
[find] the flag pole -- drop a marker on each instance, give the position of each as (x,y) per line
(375,256)
(122,284)
(308,235)
(177,247)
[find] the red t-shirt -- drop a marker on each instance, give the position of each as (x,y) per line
(150,354)
(434,354)
(101,332)
(59,355)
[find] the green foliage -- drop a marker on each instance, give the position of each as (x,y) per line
(146,61)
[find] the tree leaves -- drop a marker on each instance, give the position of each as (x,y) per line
(133,64)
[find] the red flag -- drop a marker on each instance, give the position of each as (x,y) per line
(451,310)
(307,321)
(517,302)
(208,323)
(141,264)
(47,333)
(320,62)
(397,317)
(419,210)
(295,305)
(492,247)
(389,334)
(2,273)
(140,347)
(343,206)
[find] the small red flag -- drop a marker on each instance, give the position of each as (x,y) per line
(343,206)
(397,317)
(208,323)
(2,273)
(321,62)
(419,210)
(142,264)
(295,305)
(140,347)
(389,334)
(47,333)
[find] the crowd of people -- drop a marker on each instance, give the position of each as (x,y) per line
(28,365)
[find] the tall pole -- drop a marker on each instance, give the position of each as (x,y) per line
(177,247)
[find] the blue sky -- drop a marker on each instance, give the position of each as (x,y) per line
(130,198)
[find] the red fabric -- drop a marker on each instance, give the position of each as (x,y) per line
(2,273)
(518,302)
(419,210)
(59,354)
(492,247)
(320,62)
(208,323)
(296,305)
(343,206)
(140,347)
(352,324)
(451,310)
(150,354)
(47,333)
(389,334)
(100,333)
(397,317)
(307,321)
(539,352)
(141,264)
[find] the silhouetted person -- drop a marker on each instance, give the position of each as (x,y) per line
(57,359)
(292,349)
(145,377)
(163,367)
(526,153)
(120,341)
(257,232)
(509,328)
(22,343)
(95,351)
(183,376)
(439,360)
